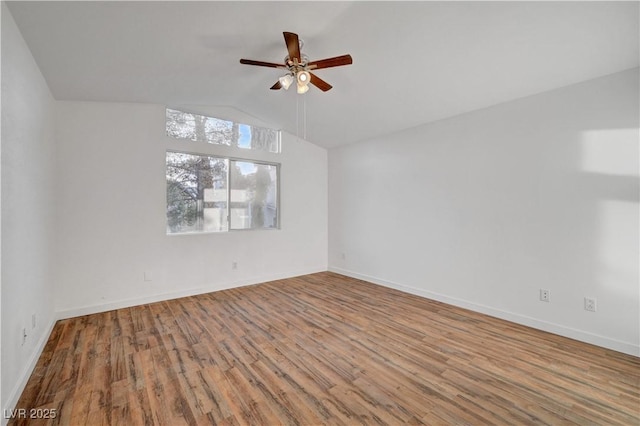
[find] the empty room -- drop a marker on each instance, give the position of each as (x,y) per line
(320,213)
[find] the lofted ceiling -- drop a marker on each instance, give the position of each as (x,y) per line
(413,62)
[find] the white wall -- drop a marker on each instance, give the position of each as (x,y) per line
(83,214)
(111,198)
(484,209)
(28,197)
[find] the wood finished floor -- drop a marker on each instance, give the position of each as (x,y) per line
(322,349)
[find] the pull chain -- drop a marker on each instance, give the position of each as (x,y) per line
(297,125)
(304,118)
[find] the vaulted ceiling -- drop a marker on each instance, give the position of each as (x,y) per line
(413,62)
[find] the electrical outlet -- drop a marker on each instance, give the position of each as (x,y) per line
(343,256)
(234,265)
(590,304)
(148,276)
(545,295)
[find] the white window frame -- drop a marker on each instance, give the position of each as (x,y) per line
(208,120)
(230,159)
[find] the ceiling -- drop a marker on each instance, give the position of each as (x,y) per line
(413,62)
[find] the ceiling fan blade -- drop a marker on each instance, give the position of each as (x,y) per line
(320,83)
(261,63)
(293,45)
(277,86)
(330,62)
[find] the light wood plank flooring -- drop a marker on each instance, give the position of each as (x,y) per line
(322,349)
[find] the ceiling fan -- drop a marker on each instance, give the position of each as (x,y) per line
(299,68)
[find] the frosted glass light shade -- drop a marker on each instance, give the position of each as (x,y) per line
(303,77)
(286,81)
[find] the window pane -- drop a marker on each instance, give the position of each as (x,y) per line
(196,193)
(254,196)
(200,128)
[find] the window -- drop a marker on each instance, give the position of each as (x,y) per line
(200,128)
(253,199)
(214,194)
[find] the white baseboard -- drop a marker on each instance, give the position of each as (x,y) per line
(583,336)
(23,378)
(126,303)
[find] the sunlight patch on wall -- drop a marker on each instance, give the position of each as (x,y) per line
(617,246)
(611,151)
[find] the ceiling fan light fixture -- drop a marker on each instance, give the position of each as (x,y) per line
(302,89)
(303,77)
(286,81)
